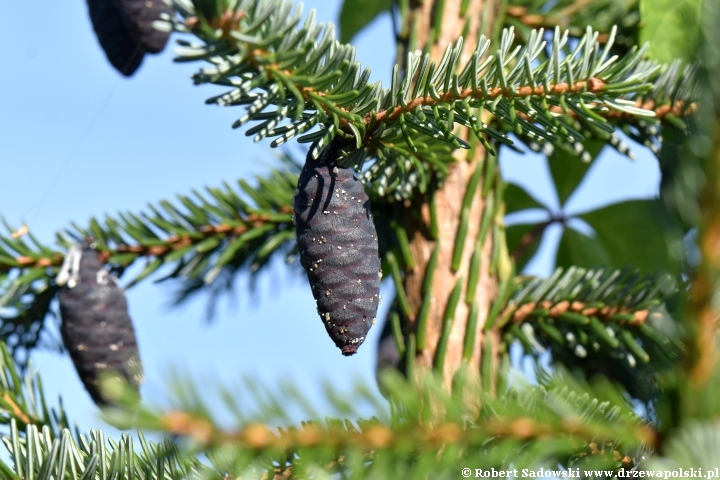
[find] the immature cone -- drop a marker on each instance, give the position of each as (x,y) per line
(125,31)
(96,327)
(338,249)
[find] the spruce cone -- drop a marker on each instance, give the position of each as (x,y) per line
(96,327)
(125,31)
(338,249)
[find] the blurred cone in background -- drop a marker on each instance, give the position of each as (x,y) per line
(125,30)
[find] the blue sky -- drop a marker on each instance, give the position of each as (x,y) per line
(77,140)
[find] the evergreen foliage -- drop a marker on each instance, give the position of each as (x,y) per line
(645,333)
(422,437)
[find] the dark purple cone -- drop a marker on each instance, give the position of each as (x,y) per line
(125,32)
(143,13)
(96,327)
(338,249)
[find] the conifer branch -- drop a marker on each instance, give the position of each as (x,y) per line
(211,235)
(504,430)
(296,78)
(22,399)
(619,296)
(595,320)
(609,322)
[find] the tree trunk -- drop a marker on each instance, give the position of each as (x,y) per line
(449,201)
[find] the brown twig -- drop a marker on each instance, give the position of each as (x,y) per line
(258,58)
(526,428)
(258,436)
(560,19)
(702,307)
(525,311)
(170,244)
(176,242)
(15,409)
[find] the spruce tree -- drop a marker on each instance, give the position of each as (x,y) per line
(628,318)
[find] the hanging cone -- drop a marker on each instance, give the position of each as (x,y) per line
(96,327)
(125,31)
(338,249)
